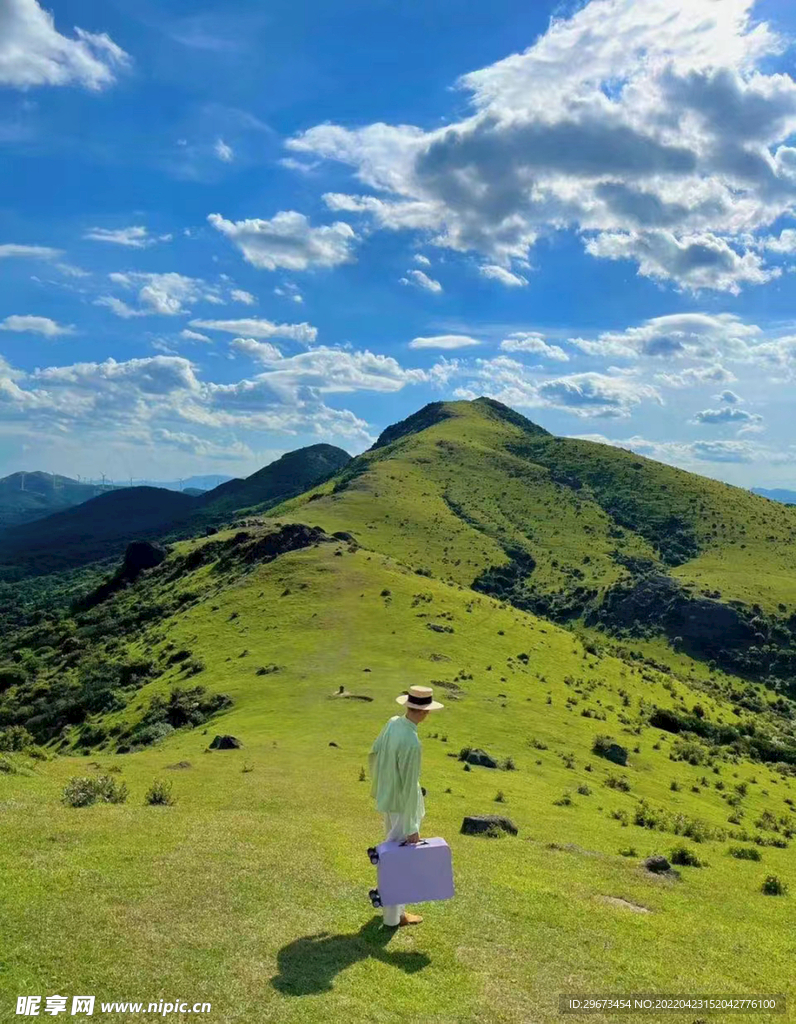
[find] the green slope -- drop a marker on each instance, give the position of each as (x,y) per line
(250,892)
(465,486)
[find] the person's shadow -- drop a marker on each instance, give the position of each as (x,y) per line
(308,965)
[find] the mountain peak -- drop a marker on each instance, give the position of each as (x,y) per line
(437,412)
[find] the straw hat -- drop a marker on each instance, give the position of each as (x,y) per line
(420,698)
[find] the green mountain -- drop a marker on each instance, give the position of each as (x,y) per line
(423,561)
(101,528)
(28,496)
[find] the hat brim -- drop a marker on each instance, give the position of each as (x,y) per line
(433,706)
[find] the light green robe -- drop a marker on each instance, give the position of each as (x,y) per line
(394,763)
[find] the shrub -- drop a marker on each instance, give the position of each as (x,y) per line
(15,738)
(564,801)
(629,851)
(687,858)
(674,786)
(612,782)
(362,775)
(500,798)
(774,886)
(146,735)
(509,765)
(607,747)
(621,817)
(745,853)
(159,794)
(82,792)
(584,790)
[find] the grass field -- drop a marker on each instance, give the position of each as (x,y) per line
(251,891)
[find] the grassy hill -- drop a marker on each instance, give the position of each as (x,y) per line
(250,891)
(28,496)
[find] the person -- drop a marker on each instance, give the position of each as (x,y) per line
(394,762)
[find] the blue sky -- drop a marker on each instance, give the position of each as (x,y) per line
(231,230)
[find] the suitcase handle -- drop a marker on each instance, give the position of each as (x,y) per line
(421,842)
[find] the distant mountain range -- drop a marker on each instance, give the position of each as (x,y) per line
(778,494)
(25,497)
(101,526)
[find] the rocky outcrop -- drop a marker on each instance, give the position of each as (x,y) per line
(489,825)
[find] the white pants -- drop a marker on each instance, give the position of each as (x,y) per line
(392,827)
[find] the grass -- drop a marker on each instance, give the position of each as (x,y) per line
(251,891)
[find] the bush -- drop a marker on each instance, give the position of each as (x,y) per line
(629,851)
(500,798)
(146,735)
(774,886)
(584,790)
(159,794)
(564,801)
(612,782)
(82,792)
(687,858)
(15,738)
(607,747)
(745,853)
(509,765)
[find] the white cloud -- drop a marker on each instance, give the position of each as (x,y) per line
(119,307)
(36,252)
(33,52)
(421,280)
(259,328)
(697,376)
(288,241)
(263,351)
(727,414)
(239,295)
(678,335)
(163,294)
(596,394)
(339,370)
(444,341)
(137,237)
(194,336)
(694,261)
(35,325)
(729,397)
(424,261)
(689,454)
(657,130)
(534,344)
(224,152)
(506,277)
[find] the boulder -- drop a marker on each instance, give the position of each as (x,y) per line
(225,743)
(487,825)
(657,864)
(616,754)
(140,555)
(480,757)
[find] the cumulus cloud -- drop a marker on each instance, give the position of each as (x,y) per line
(33,52)
(163,294)
(263,351)
(678,335)
(596,394)
(288,241)
(444,341)
(506,277)
(534,344)
(239,295)
(137,237)
(421,280)
(656,130)
(729,397)
(259,328)
(727,414)
(35,252)
(689,454)
(694,261)
(424,261)
(35,325)
(696,376)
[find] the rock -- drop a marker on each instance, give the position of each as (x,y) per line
(140,555)
(487,825)
(616,754)
(342,535)
(332,743)
(657,864)
(178,766)
(225,743)
(480,757)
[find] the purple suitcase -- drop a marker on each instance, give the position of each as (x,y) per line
(413,873)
